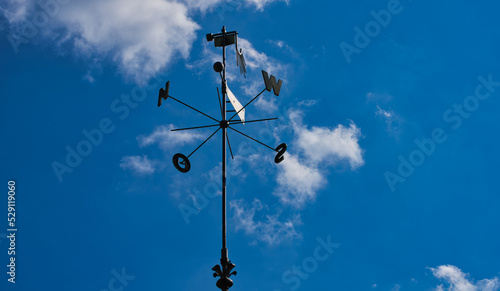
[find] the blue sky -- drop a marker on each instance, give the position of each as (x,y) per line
(389,109)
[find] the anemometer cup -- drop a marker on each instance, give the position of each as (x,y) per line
(183,165)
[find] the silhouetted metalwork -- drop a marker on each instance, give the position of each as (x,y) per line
(182,163)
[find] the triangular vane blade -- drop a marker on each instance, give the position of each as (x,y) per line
(236,104)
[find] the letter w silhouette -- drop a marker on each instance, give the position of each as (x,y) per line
(271,83)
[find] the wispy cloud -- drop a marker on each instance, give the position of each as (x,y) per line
(279,44)
(260,4)
(166,139)
(307,103)
(269,229)
(456,280)
(378,97)
(138,164)
(392,120)
(88,77)
(387,114)
(209,5)
(205,5)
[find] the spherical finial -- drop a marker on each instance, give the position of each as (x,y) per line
(218,67)
(224,283)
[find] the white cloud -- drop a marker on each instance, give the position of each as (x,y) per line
(298,183)
(269,229)
(167,139)
(460,281)
(138,164)
(328,145)
(141,37)
(304,172)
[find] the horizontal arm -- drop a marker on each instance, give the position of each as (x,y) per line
(248,121)
(196,127)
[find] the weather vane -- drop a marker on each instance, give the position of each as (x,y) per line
(182,163)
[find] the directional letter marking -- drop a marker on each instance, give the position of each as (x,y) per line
(271,83)
(163,93)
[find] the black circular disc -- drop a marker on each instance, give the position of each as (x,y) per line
(218,67)
(183,165)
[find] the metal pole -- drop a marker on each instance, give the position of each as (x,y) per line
(224,283)
(224,254)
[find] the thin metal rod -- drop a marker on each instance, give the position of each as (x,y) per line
(252,138)
(247,104)
(203,142)
(194,109)
(249,121)
(196,127)
(224,259)
(220,103)
(229,144)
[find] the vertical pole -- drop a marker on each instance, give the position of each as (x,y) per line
(224,255)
